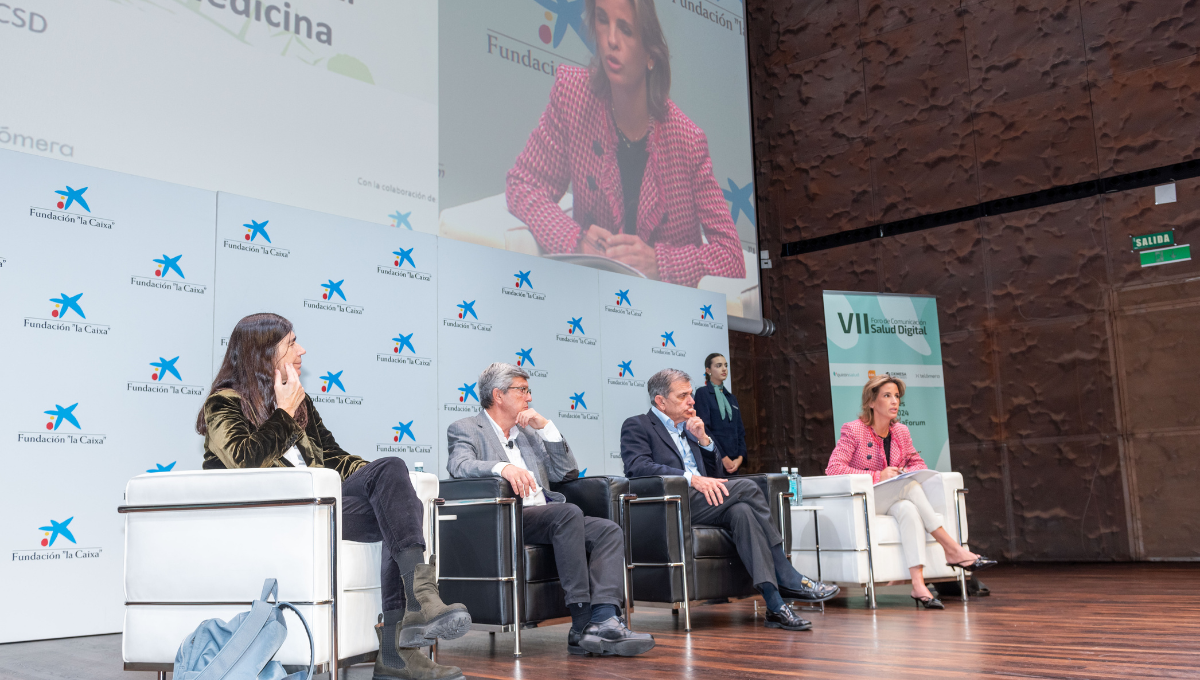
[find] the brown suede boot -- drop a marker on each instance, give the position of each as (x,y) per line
(426,617)
(398,663)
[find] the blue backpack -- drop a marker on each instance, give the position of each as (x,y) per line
(243,648)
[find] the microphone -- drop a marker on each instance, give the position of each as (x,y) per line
(510,444)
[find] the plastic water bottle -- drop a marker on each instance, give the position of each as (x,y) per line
(792,484)
(419,466)
(796,492)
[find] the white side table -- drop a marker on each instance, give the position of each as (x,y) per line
(814,509)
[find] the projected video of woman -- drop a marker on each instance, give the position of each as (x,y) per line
(639,169)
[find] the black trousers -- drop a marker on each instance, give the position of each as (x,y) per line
(588,551)
(746,515)
(380,504)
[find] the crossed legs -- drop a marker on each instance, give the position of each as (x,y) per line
(916,516)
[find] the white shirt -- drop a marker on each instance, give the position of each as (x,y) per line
(293,456)
(549,433)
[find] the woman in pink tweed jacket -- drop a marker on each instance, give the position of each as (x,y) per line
(678,227)
(875,444)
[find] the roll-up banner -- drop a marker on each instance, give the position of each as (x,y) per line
(874,333)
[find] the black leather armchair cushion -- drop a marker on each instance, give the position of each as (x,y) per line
(596,496)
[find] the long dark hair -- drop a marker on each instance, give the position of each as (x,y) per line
(708,364)
(249,368)
(658,80)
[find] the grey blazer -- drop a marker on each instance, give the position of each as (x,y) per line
(475,450)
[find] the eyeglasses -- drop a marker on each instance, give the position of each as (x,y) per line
(522,390)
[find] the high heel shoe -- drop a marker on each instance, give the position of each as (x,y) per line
(979,564)
(928,602)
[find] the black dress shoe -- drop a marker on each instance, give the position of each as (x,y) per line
(611,637)
(928,603)
(786,619)
(810,591)
(573,639)
(979,564)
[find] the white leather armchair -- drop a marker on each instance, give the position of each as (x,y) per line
(849,544)
(198,545)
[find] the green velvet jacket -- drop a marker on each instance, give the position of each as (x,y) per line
(233,442)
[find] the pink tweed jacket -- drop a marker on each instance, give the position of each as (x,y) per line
(860,451)
(575,144)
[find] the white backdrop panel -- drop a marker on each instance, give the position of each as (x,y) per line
(361,299)
(528,323)
(648,326)
(91,357)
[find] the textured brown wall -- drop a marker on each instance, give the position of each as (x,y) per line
(1070,369)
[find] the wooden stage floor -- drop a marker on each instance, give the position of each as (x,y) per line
(1041,621)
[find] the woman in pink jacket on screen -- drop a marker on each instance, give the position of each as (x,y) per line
(877,445)
(642,179)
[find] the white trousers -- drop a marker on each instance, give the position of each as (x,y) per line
(911,508)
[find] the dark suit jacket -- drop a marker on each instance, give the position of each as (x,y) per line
(647,448)
(729,434)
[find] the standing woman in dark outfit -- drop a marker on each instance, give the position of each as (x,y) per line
(718,408)
(258,416)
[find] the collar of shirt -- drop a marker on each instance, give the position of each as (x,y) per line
(512,433)
(670,424)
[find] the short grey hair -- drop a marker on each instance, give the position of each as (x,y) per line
(659,384)
(498,376)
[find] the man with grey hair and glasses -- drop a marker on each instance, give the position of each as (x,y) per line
(664,441)
(509,439)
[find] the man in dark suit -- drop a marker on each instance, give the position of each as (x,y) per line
(666,441)
(509,439)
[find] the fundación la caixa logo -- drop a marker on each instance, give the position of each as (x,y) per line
(333,391)
(707,320)
(404,352)
(667,346)
(623,305)
(578,409)
(403,265)
(66,549)
(468,400)
(468,318)
(525,360)
(71,207)
(256,240)
(67,316)
(522,287)
(575,334)
(625,376)
(168,275)
(161,375)
(333,299)
(58,425)
(399,432)
(522,51)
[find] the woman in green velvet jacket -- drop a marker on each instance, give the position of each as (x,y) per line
(258,416)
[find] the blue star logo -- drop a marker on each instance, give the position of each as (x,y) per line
(624,368)
(332,289)
(623,295)
(60,414)
(404,341)
(257,229)
(333,380)
(523,277)
(467,308)
(402,220)
(169,263)
(669,337)
(164,366)
(73,196)
(706,312)
(739,199)
(569,13)
(525,356)
(577,401)
(69,303)
(403,430)
(577,325)
(159,467)
(403,256)
(468,392)
(57,529)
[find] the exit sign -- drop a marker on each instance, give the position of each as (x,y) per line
(1151,258)
(1160,240)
